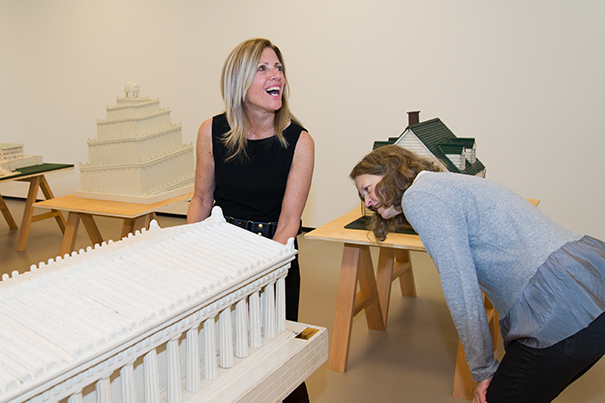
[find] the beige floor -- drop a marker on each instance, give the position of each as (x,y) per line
(411,361)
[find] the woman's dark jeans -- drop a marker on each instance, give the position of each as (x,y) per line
(539,375)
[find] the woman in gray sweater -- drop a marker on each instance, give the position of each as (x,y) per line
(547,283)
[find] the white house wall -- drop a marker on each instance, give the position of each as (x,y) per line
(411,142)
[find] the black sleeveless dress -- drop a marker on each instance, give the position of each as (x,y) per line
(253,189)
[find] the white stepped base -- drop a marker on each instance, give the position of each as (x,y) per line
(270,373)
(135,199)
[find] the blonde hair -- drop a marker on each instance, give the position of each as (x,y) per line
(398,168)
(236,78)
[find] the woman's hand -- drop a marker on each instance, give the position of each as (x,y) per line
(481,390)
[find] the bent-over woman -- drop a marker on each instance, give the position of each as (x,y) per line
(547,283)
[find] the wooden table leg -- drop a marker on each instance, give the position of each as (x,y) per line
(48,194)
(345,307)
(28,213)
(393,264)
(91,228)
(403,271)
(356,265)
(7,214)
(71,231)
(131,225)
(367,298)
(493,319)
(464,386)
(384,274)
(127,227)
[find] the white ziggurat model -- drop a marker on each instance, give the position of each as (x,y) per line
(138,155)
(13,158)
(194,313)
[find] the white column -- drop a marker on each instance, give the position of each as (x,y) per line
(103,389)
(152,383)
(226,339)
(209,349)
(241,328)
(255,321)
(173,371)
(75,398)
(280,304)
(269,311)
(128,386)
(193,360)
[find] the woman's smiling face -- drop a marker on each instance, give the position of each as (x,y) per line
(366,186)
(267,89)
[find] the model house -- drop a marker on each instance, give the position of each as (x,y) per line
(433,139)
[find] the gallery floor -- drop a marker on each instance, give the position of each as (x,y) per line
(411,361)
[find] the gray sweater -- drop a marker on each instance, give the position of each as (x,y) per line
(482,237)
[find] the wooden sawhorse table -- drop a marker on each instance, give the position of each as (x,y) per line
(375,290)
(136,216)
(35,176)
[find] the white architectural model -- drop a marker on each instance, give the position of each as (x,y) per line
(194,313)
(12,158)
(138,155)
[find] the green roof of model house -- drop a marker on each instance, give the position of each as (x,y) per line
(433,137)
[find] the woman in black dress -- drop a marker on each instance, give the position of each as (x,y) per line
(255,160)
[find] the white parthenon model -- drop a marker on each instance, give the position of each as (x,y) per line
(194,313)
(13,158)
(138,155)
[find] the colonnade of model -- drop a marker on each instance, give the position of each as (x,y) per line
(159,316)
(133,149)
(134,126)
(163,174)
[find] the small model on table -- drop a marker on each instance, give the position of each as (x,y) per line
(433,139)
(138,155)
(12,158)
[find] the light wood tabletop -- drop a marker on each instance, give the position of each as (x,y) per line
(136,216)
(335,231)
(108,207)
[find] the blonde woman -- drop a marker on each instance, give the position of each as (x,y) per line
(546,282)
(255,160)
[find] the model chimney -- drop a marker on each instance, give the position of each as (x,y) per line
(413,117)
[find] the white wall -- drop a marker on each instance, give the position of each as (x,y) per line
(524,78)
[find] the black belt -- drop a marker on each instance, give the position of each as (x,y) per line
(266,229)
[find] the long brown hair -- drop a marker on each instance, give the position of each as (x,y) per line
(398,167)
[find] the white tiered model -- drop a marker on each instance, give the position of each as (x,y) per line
(194,313)
(138,156)
(12,157)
